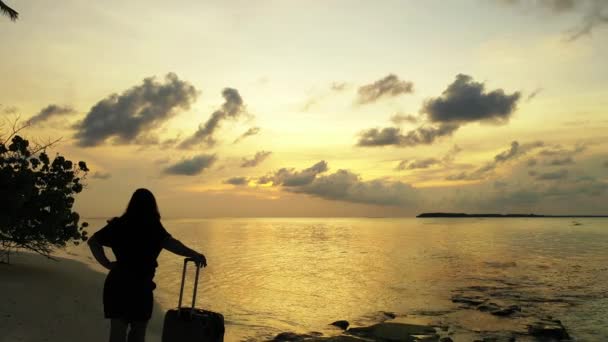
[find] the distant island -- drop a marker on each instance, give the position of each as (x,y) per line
(459,215)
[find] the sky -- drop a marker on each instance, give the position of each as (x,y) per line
(318,108)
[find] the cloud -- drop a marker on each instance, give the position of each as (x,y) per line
(552,5)
(232,108)
(514,152)
(594,13)
(500,184)
(423,135)
(50,111)
(532,162)
(257,159)
(558,151)
(135,112)
(556,175)
(466,101)
(102,175)
(338,86)
(451,154)
(389,86)
(533,94)
(606,164)
(561,162)
(517,150)
(426,163)
(192,166)
(237,181)
(291,177)
(335,87)
(9,109)
(342,185)
(398,119)
(418,164)
(250,132)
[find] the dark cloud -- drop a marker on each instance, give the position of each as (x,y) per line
(291,177)
(466,101)
(192,166)
(418,164)
(237,181)
(398,119)
(424,135)
(102,175)
(514,152)
(556,175)
(50,111)
(232,108)
(561,162)
(135,112)
(463,101)
(532,162)
(256,160)
(389,86)
(250,132)
(606,164)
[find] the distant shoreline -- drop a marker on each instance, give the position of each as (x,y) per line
(463,215)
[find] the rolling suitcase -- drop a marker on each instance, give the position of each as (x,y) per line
(189,324)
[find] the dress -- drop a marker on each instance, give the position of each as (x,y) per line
(127,291)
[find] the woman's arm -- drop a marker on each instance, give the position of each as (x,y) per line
(175,246)
(99,254)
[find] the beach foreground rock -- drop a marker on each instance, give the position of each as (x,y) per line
(377,332)
(394,332)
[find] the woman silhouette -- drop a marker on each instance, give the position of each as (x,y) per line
(136,238)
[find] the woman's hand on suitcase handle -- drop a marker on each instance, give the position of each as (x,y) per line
(200,260)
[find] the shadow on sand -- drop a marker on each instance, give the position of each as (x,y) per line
(46,300)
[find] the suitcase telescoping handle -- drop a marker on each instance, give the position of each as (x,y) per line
(181,291)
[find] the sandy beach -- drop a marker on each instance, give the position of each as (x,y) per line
(46,300)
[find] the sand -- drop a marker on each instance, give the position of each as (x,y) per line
(46,300)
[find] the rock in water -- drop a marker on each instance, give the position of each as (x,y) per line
(390,315)
(290,337)
(341,324)
(550,330)
(393,331)
(506,311)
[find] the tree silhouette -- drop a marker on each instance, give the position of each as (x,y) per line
(36,198)
(6,10)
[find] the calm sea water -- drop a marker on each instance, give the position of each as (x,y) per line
(273,275)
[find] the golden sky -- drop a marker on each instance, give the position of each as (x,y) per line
(318,108)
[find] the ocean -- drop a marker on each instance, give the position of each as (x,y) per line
(272,275)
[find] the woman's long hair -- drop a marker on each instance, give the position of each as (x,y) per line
(142,206)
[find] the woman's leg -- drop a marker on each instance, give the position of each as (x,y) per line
(137,333)
(118,330)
